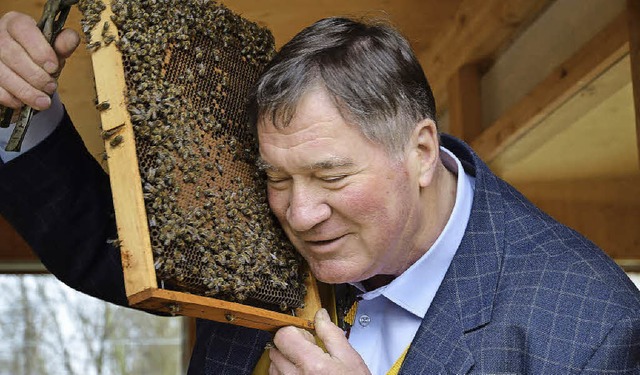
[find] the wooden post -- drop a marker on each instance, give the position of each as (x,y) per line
(465,109)
(16,255)
(188,341)
(633,20)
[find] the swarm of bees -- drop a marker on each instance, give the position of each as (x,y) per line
(189,65)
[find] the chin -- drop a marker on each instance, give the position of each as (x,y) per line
(335,273)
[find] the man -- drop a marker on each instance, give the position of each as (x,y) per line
(456,271)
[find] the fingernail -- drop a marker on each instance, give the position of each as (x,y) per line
(51,87)
(43,102)
(324,315)
(50,67)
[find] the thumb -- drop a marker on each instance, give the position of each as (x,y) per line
(66,43)
(333,338)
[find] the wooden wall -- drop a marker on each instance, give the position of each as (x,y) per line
(501,75)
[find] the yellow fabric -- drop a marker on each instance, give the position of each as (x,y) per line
(262,367)
(395,369)
(350,317)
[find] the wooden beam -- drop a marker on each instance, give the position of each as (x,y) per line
(16,255)
(595,57)
(479,30)
(188,341)
(12,247)
(588,108)
(604,210)
(633,20)
(465,107)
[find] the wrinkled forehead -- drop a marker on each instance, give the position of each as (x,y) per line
(280,112)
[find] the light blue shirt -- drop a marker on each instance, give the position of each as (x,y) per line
(42,124)
(389,317)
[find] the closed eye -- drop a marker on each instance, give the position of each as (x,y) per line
(333,178)
(276,180)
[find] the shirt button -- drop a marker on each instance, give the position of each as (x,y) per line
(364,320)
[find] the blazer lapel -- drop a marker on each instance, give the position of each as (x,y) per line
(464,301)
(439,345)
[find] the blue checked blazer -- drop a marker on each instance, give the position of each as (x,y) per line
(524,293)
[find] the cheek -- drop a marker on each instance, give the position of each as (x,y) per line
(277,203)
(365,204)
(379,205)
(382,193)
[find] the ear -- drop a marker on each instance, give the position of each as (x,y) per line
(426,150)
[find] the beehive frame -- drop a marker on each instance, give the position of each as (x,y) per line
(141,284)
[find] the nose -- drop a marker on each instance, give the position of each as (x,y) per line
(307,208)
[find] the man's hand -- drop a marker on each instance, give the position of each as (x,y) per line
(28,64)
(296,351)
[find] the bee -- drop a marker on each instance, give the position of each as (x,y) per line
(108,39)
(92,47)
(105,28)
(103,106)
(106,134)
(202,71)
(116,141)
(114,242)
(229,317)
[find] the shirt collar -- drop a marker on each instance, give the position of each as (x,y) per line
(428,271)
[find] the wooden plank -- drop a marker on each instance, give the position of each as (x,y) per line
(312,300)
(465,107)
(479,30)
(601,52)
(16,255)
(633,21)
(135,245)
(178,303)
(599,106)
(13,247)
(188,341)
(605,210)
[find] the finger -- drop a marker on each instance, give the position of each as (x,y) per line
(297,345)
(8,100)
(24,30)
(66,43)
(280,364)
(20,75)
(19,89)
(332,337)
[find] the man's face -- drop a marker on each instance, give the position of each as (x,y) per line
(348,207)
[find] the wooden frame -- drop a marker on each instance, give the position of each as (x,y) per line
(596,56)
(137,259)
(633,24)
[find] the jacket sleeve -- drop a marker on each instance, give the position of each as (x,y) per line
(619,353)
(59,199)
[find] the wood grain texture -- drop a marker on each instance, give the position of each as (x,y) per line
(607,47)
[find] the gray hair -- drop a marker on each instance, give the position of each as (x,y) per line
(368,69)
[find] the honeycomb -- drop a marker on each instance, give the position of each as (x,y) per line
(189,66)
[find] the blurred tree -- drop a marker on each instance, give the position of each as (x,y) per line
(48,328)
